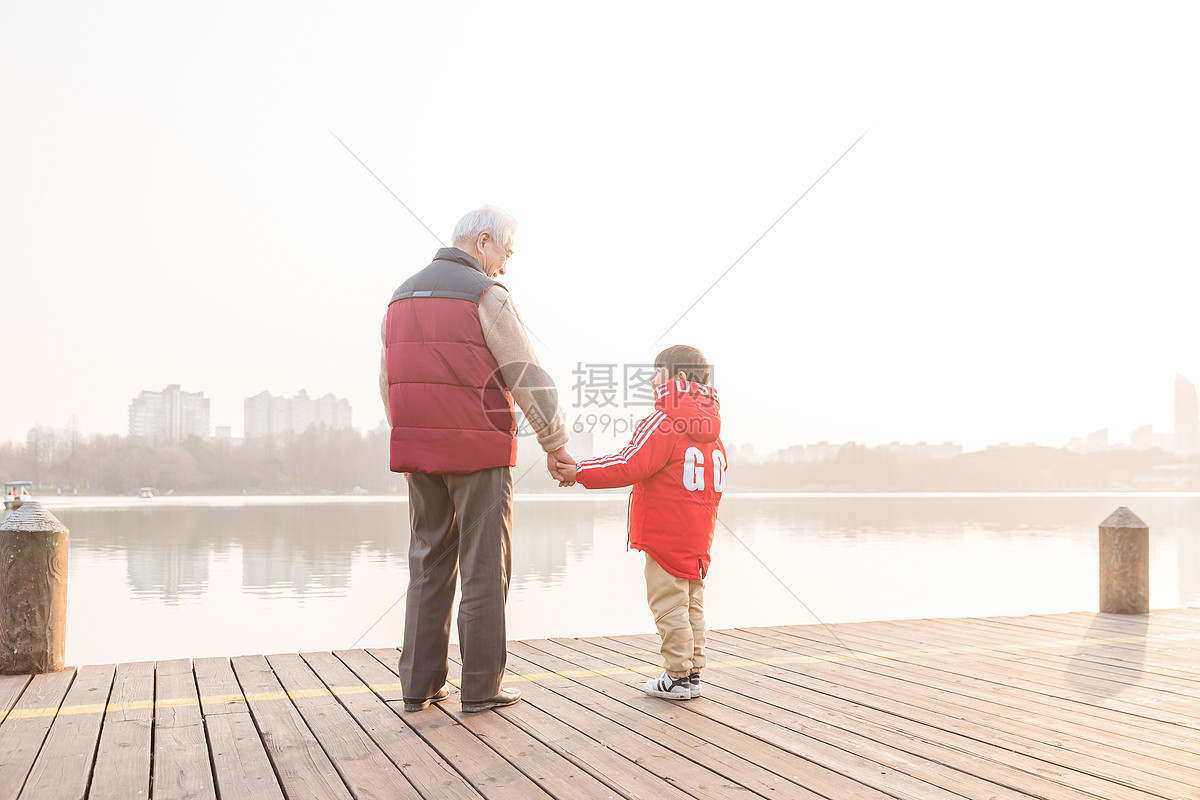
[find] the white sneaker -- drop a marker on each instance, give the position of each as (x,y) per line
(670,688)
(694,678)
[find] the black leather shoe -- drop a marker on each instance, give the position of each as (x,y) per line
(506,697)
(421,705)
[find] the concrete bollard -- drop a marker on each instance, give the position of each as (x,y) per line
(33,591)
(1124,564)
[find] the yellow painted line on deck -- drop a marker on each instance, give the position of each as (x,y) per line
(379,688)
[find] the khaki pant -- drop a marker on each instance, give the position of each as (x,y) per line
(459,522)
(678,607)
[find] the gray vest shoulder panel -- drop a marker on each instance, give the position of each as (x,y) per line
(445,278)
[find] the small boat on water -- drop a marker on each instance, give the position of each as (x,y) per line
(145,491)
(16,493)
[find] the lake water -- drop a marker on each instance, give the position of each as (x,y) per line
(186,577)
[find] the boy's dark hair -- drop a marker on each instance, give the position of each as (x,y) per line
(686,359)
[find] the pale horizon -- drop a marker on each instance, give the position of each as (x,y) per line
(1116,439)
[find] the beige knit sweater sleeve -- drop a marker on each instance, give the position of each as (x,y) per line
(531,387)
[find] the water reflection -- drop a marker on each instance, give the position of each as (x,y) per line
(221,577)
(297,551)
(285,551)
(545,535)
(946,520)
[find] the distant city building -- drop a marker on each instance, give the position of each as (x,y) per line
(1144,438)
(171,415)
(1187,418)
(742,453)
(266,413)
(1095,442)
(824,451)
(923,450)
(811,453)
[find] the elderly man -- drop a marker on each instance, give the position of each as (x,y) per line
(455,356)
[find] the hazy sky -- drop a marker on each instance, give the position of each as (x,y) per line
(1010,254)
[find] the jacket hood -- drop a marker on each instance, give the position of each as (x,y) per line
(693,408)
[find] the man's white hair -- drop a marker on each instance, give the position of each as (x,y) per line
(496,221)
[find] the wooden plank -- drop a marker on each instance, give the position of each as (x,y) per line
(591,742)
(65,762)
(973,677)
(984,682)
(958,761)
(1001,636)
(218,687)
(181,767)
(1182,637)
(668,762)
(1165,622)
(303,768)
(1181,642)
(428,772)
(240,765)
(123,759)
(974,682)
(1080,771)
(1154,660)
(1003,668)
(883,768)
(998,707)
(11,687)
(1153,624)
(390,658)
(387,684)
(488,773)
(25,728)
(1119,649)
(586,738)
(549,768)
(742,762)
(928,740)
(1186,618)
(365,769)
(1122,673)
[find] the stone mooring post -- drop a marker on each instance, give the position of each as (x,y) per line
(1124,564)
(33,591)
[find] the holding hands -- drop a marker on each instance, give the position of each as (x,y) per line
(560,463)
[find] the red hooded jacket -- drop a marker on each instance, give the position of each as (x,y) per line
(676,465)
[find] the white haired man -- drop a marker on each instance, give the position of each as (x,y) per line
(455,356)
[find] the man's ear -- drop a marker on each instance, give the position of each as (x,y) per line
(681,376)
(480,240)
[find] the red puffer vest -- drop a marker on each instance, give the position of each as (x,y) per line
(451,412)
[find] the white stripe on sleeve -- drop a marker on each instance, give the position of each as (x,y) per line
(641,436)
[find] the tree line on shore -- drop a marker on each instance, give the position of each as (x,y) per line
(318,460)
(341,461)
(1028,468)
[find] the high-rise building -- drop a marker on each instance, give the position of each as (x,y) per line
(1094,442)
(1144,438)
(1187,418)
(266,413)
(168,416)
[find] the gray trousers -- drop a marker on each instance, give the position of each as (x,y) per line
(459,523)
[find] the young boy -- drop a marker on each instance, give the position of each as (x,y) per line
(676,465)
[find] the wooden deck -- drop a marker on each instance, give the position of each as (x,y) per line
(1069,706)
